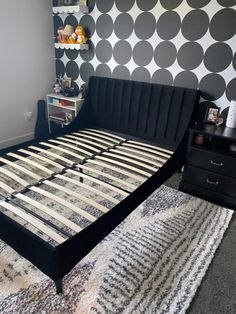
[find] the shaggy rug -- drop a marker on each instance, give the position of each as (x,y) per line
(151,263)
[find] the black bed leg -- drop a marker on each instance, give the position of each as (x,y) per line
(58,284)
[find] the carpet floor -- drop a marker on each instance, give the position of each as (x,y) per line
(151,263)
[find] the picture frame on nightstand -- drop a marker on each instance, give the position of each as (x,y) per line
(212,115)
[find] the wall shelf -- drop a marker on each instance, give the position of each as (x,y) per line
(72,46)
(70,9)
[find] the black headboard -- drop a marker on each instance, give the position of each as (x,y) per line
(153,112)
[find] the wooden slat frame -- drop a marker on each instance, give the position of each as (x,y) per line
(60,200)
(47,152)
(68,223)
(93,138)
(100,136)
(33,221)
(116,155)
(126,173)
(79,139)
(62,150)
(30,162)
(37,156)
(63,143)
(123,165)
(98,181)
(106,175)
(77,142)
(20,168)
(152,147)
(146,150)
(6,188)
(79,196)
(88,187)
(107,133)
(14,177)
(137,151)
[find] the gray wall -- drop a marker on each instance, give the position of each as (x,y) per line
(188,43)
(26,63)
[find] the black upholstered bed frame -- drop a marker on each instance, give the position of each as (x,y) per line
(149,113)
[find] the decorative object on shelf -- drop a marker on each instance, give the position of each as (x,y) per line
(67,35)
(80,33)
(231,118)
(212,115)
(57,88)
(70,92)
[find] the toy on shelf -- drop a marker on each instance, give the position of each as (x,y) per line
(81,38)
(67,35)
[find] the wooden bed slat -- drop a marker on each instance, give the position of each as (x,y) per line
(33,221)
(47,152)
(126,173)
(88,187)
(93,138)
(79,138)
(96,135)
(137,151)
(117,155)
(6,187)
(62,150)
(14,177)
(98,181)
(144,173)
(108,134)
(77,142)
(152,147)
(60,200)
(49,212)
(20,168)
(106,175)
(79,196)
(146,150)
(50,162)
(30,162)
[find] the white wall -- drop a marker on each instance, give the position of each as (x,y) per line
(27,68)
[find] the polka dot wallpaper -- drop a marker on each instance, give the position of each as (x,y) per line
(189,43)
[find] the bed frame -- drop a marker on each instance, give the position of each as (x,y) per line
(130,128)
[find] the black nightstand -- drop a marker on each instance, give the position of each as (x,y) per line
(210,168)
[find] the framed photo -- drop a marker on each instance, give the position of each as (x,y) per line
(212,115)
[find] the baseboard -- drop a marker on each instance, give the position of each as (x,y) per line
(16,140)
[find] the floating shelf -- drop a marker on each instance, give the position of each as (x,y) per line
(70,9)
(72,46)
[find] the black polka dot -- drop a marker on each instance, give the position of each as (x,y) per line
(143,53)
(226,3)
(104,51)
(234,61)
(75,85)
(89,25)
(57,22)
(218,57)
(145,25)
(168,25)
(88,55)
(103,70)
(104,6)
(59,53)
(190,55)
(146,5)
(198,4)
(195,24)
(231,90)
(162,58)
(124,6)
(71,20)
(212,86)
(141,74)
(86,70)
(123,26)
(60,68)
(162,76)
(91,5)
(122,52)
(121,72)
(223,25)
(186,79)
(72,70)
(170,4)
(104,26)
(72,54)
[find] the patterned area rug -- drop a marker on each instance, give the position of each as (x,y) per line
(152,263)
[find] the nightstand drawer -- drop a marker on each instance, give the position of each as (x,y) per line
(212,161)
(210,180)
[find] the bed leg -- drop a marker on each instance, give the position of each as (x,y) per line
(58,284)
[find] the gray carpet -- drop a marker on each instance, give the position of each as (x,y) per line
(217,293)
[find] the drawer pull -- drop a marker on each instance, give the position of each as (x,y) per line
(218,164)
(212,182)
